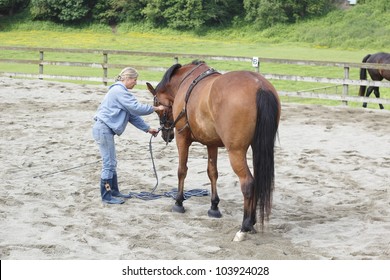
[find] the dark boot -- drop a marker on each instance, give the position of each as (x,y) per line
(106,192)
(115,188)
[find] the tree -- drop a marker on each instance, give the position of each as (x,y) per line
(116,11)
(378,5)
(266,13)
(222,11)
(60,10)
(190,14)
(9,7)
(178,14)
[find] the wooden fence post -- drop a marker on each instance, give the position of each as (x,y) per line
(175,60)
(105,69)
(41,56)
(345,86)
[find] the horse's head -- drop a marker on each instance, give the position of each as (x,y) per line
(166,117)
(165,92)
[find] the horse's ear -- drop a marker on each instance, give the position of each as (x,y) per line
(151,88)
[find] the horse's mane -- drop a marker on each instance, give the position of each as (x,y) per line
(197,62)
(167,76)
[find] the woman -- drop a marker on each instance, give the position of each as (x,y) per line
(118,107)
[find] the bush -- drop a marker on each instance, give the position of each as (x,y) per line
(266,13)
(9,7)
(117,11)
(67,11)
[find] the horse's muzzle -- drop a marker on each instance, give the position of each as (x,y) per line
(168,135)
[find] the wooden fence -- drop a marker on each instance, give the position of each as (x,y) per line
(253,62)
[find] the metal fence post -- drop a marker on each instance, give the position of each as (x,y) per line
(345,86)
(41,56)
(105,68)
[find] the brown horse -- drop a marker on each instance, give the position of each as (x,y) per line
(375,74)
(234,110)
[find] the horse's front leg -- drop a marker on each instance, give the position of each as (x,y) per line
(212,172)
(183,148)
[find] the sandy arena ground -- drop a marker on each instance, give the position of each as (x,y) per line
(331,198)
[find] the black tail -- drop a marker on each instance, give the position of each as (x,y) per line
(363,76)
(263,150)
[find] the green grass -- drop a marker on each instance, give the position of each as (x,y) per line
(242,41)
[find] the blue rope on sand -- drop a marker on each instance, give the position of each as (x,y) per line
(172,194)
(151,195)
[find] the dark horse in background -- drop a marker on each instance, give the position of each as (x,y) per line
(234,110)
(375,74)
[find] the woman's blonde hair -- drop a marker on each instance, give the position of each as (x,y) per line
(127,72)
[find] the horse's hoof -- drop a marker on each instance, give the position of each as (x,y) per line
(214,213)
(240,236)
(178,209)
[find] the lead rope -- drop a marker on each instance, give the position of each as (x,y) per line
(154,166)
(151,195)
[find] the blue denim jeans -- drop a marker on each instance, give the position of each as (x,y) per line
(104,137)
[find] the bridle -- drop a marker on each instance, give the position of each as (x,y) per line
(167,125)
(164,118)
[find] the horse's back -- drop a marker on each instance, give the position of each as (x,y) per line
(233,105)
(238,89)
(380,58)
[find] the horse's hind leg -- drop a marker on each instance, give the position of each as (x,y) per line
(377,95)
(369,91)
(239,164)
(212,172)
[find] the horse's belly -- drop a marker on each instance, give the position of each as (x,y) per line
(204,132)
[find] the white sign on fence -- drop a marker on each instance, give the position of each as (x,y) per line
(255,61)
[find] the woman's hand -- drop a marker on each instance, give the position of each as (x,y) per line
(159,108)
(153,131)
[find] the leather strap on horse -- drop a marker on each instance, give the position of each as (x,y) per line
(183,112)
(205,74)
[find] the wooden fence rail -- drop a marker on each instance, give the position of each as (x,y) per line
(345,82)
